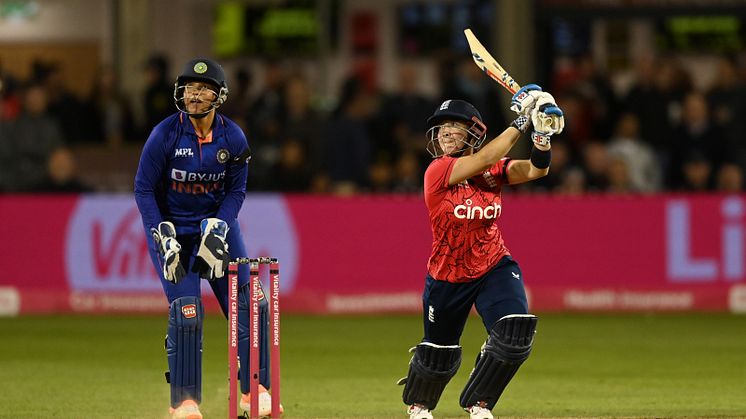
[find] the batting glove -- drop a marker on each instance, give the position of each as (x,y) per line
(524,99)
(547,117)
(212,257)
(521,123)
(541,141)
(165,241)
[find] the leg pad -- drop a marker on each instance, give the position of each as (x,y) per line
(508,345)
(184,349)
(430,369)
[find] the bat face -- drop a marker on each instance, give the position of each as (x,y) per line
(488,64)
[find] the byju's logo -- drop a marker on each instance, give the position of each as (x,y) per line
(184,176)
(196,183)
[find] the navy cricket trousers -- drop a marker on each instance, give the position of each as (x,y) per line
(446,305)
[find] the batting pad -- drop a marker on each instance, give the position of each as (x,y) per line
(244,302)
(184,349)
(508,345)
(430,370)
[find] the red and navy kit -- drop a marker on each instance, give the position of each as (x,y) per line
(183,178)
(469,265)
(467,242)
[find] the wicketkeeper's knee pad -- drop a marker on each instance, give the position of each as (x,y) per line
(430,369)
(508,345)
(184,349)
(244,303)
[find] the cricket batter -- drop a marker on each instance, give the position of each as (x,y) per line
(469,264)
(189,187)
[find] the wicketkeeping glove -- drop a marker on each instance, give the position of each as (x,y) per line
(524,99)
(212,257)
(165,241)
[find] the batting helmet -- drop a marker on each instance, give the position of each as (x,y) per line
(204,70)
(458,110)
(454,109)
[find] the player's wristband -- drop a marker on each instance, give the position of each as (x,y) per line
(541,159)
(521,123)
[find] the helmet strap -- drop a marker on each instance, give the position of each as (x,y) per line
(200,115)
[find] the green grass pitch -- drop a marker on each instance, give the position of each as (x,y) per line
(629,365)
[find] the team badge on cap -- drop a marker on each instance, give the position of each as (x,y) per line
(223,155)
(200,67)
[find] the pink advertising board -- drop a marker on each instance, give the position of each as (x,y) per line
(369,253)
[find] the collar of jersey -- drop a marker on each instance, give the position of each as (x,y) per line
(189,128)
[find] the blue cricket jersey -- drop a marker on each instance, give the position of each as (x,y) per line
(183,178)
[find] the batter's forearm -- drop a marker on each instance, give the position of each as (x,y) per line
(499,146)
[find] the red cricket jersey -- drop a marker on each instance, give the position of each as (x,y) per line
(466,240)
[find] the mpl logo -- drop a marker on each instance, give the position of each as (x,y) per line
(183,152)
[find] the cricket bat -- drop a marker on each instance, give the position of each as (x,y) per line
(488,64)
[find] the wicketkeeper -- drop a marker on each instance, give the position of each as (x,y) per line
(190,185)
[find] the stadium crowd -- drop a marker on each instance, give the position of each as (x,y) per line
(660,134)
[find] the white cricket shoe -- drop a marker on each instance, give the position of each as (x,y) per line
(188,409)
(265,402)
(419,412)
(479,412)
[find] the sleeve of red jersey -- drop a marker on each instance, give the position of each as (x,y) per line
(438,173)
(497,175)
(436,180)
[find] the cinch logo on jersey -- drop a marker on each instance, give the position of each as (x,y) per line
(196,183)
(470,212)
(183,152)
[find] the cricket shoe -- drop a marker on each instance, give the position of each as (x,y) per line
(265,402)
(479,412)
(419,412)
(188,409)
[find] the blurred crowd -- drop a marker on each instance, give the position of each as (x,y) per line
(662,134)
(659,134)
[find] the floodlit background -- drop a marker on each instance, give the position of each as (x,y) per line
(633,248)
(652,90)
